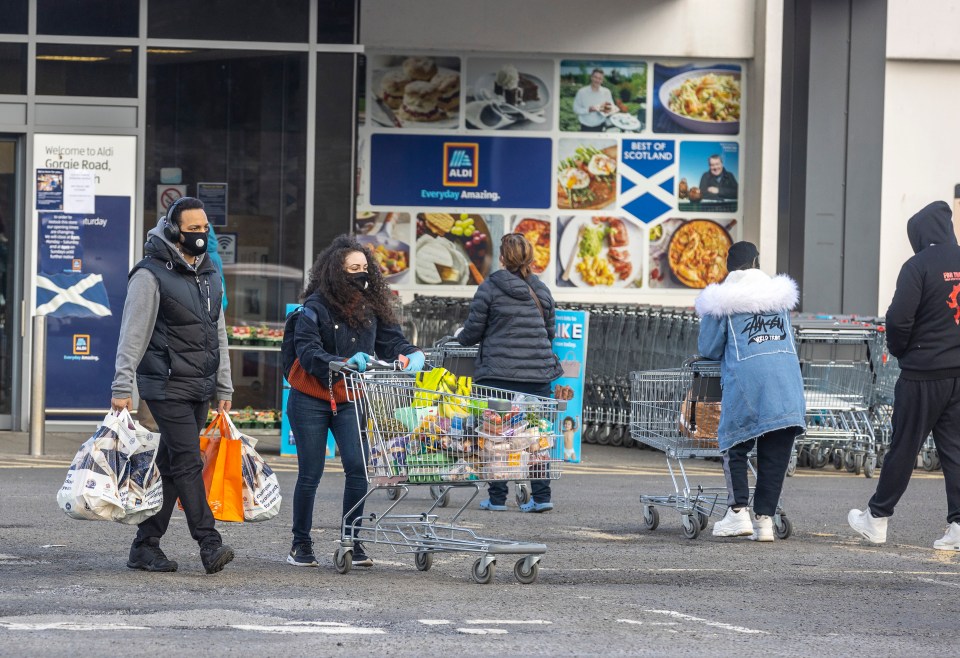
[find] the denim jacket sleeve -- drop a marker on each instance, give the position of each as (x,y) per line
(713,337)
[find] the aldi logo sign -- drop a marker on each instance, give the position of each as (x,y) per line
(460,164)
(81,344)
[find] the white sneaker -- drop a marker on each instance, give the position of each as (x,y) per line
(734,524)
(951,540)
(762,529)
(873,529)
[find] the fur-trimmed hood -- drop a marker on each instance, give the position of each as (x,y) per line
(748,291)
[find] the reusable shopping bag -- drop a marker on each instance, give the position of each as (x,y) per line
(240,485)
(113,476)
(222,470)
(700,410)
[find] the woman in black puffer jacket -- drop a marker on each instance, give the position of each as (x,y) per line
(512,317)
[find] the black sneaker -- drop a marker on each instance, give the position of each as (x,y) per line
(360,557)
(215,558)
(301,555)
(148,556)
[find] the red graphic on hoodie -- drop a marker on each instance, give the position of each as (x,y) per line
(952,303)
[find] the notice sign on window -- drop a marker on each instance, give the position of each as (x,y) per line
(214,197)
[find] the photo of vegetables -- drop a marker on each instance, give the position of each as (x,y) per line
(599,252)
(587,174)
(697,99)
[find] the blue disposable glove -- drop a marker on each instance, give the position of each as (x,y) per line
(359,361)
(416,363)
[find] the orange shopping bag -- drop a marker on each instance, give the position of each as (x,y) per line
(223,470)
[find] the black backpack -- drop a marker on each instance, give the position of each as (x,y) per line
(288,351)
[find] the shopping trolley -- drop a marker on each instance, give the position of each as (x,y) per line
(678,411)
(419,437)
(838,385)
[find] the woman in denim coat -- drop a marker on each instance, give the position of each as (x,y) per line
(745,325)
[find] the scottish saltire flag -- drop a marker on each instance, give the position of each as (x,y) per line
(72,295)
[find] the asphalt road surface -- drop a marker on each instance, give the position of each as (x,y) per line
(606,585)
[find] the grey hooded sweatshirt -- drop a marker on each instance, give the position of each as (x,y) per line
(139,319)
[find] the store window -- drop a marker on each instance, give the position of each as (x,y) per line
(229,20)
(336,21)
(88,18)
(76,70)
(13,68)
(334,147)
(230,126)
(13,17)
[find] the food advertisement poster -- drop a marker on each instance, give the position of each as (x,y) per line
(570,346)
(509,94)
(603,96)
(625,175)
(83,259)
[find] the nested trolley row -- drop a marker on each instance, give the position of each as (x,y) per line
(461,439)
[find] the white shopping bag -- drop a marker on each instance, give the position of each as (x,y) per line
(140,487)
(261,488)
(114,474)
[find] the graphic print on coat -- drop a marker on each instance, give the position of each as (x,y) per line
(952,300)
(763,327)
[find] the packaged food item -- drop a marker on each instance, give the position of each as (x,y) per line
(509,465)
(427,467)
(461,471)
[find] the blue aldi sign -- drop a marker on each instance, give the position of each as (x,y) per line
(484,172)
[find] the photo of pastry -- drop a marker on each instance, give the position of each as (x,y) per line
(697,99)
(414,92)
(587,174)
(509,94)
(456,248)
(599,252)
(387,235)
(603,96)
(537,229)
(689,253)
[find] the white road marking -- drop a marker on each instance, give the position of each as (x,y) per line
(707,622)
(939,582)
(433,622)
(649,623)
(507,621)
(483,631)
(68,626)
(4,556)
(327,630)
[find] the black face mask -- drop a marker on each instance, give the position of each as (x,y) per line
(359,280)
(194,244)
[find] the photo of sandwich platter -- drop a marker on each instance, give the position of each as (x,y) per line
(418,92)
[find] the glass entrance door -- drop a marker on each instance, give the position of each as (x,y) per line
(10,266)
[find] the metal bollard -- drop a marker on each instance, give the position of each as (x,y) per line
(38,385)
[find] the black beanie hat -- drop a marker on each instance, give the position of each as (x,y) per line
(740,254)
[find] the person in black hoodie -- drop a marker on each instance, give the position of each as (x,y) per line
(173,337)
(923,332)
(512,317)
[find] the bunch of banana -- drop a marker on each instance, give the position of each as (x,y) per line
(452,406)
(464,385)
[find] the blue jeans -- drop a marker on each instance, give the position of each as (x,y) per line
(310,419)
(539,489)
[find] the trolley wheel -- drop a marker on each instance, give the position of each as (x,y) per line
(523,493)
(423,560)
(603,435)
(820,458)
(936,460)
(792,466)
(616,436)
(651,517)
(804,458)
(525,575)
(837,457)
(441,495)
(704,520)
(393,493)
(869,465)
(691,526)
(782,527)
(482,575)
(928,463)
(588,434)
(343,559)
(858,464)
(850,462)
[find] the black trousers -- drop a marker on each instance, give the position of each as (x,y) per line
(919,408)
(539,489)
(773,455)
(181,470)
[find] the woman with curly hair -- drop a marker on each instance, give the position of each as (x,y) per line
(346,317)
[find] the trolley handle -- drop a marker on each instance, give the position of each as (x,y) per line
(338,367)
(696,358)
